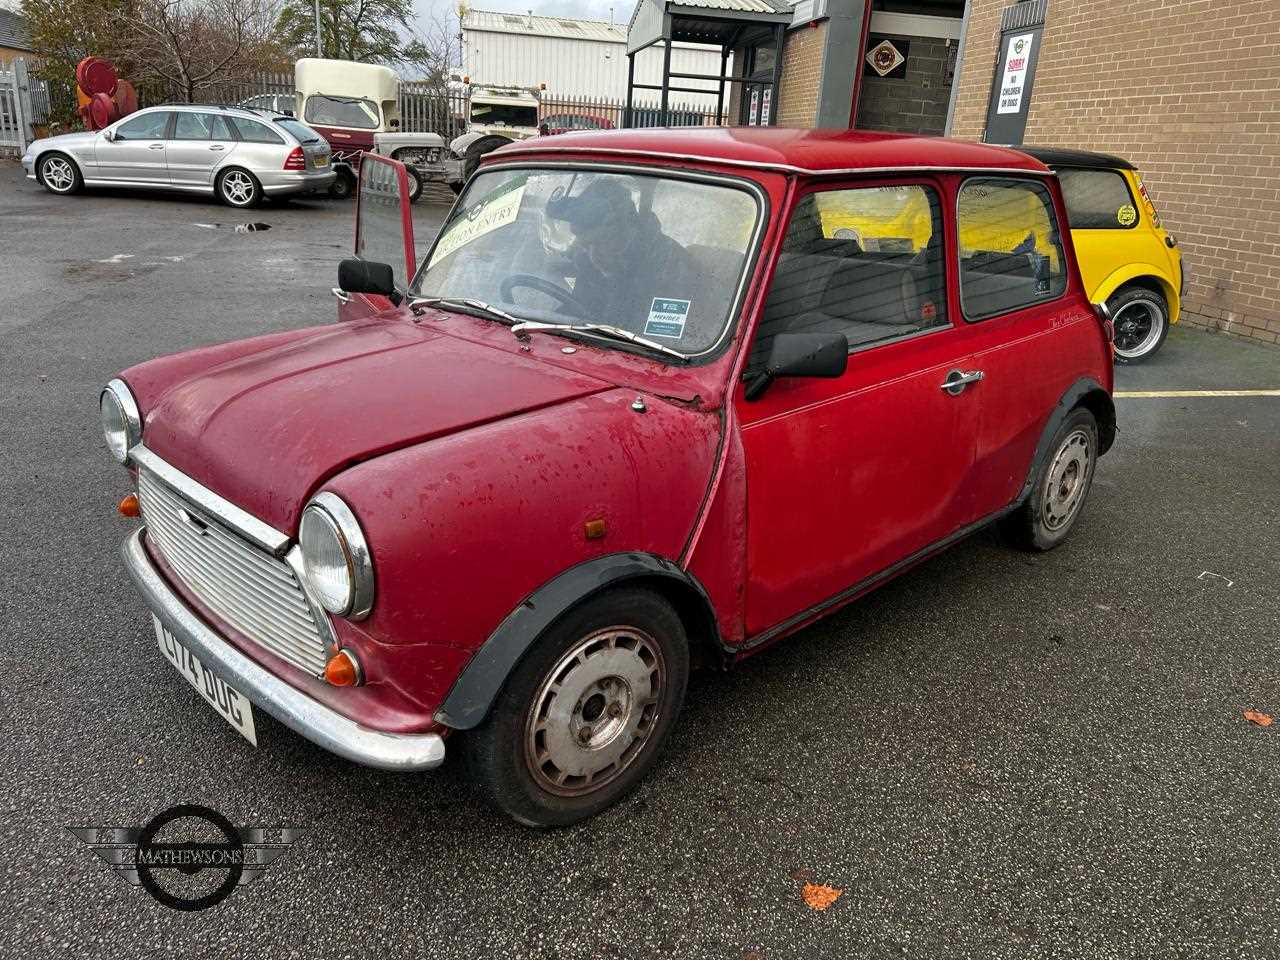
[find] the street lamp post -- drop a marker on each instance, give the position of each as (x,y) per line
(319,52)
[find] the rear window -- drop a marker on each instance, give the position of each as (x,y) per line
(251,131)
(1098,200)
(300,131)
(1010,251)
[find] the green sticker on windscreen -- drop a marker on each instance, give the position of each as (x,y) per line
(667,318)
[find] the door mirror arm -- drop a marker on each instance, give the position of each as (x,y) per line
(800,355)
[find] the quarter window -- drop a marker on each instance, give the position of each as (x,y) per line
(1098,200)
(1010,251)
(867,263)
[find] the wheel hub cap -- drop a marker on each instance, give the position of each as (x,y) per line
(58,174)
(595,710)
(1067,480)
(1138,325)
(238,188)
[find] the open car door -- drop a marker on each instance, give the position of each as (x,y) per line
(384,235)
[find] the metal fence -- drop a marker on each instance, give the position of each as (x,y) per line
(16,112)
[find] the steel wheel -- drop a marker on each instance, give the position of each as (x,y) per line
(595,710)
(1139,326)
(238,188)
(58,174)
(1067,480)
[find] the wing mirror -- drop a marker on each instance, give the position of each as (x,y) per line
(801,355)
(109,136)
(366,276)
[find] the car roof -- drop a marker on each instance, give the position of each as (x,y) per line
(1066,157)
(255,113)
(788,150)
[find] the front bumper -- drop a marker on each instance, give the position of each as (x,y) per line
(319,724)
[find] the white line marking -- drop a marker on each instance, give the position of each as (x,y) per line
(1210,573)
(1159,394)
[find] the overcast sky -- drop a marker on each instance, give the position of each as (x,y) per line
(584,9)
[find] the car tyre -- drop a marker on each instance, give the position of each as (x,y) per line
(1141,320)
(59,174)
(583,717)
(239,188)
(1060,489)
(415,184)
(343,186)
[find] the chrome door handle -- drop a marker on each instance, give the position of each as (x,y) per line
(957,380)
(217,146)
(155,146)
(342,295)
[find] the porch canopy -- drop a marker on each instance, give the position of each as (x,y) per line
(722,23)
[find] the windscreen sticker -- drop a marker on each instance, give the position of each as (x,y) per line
(667,318)
(1126,215)
(480,219)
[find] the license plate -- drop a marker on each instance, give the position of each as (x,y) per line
(232,705)
(321,161)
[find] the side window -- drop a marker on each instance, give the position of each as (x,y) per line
(866,262)
(192,126)
(1098,200)
(253,132)
(148,126)
(1010,251)
(222,128)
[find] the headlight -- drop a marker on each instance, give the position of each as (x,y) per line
(335,557)
(121,422)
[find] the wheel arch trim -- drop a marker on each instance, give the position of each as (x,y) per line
(1085,392)
(1141,275)
(471,697)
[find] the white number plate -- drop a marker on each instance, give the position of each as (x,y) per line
(322,161)
(232,705)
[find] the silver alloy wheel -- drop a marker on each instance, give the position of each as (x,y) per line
(593,714)
(58,174)
(238,188)
(1067,480)
(1138,325)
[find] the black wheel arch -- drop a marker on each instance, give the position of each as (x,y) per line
(1085,393)
(474,691)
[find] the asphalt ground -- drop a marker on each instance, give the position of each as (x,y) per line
(996,755)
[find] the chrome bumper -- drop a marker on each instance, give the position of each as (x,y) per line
(319,724)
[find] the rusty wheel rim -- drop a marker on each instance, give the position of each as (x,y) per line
(595,711)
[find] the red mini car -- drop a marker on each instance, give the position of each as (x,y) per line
(652,397)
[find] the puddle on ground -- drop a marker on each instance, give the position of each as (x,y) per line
(256,227)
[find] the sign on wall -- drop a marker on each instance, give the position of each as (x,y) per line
(1011,85)
(886,58)
(753,115)
(1016,61)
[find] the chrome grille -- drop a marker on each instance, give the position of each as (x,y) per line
(257,594)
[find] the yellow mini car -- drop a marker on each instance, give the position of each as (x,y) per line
(1127,259)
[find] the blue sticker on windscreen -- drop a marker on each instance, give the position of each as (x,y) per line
(666,318)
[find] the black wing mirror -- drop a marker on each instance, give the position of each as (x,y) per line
(801,355)
(366,276)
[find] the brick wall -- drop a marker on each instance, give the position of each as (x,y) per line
(801,75)
(916,103)
(1189,90)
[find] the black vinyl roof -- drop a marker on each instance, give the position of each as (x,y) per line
(1062,157)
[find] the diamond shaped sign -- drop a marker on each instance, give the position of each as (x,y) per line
(884,58)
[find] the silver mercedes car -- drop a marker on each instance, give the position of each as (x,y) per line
(239,154)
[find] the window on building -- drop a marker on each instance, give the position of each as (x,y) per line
(1098,200)
(1010,249)
(867,263)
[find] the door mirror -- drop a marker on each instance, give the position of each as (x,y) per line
(801,355)
(366,276)
(109,135)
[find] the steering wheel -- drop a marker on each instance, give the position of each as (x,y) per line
(561,294)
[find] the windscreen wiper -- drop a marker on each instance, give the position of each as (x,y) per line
(618,333)
(468,305)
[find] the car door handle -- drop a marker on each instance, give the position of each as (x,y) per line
(217,146)
(957,380)
(155,146)
(342,295)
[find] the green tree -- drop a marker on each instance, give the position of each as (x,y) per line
(373,31)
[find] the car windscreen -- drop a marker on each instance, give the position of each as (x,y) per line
(660,257)
(301,132)
(505,114)
(342,112)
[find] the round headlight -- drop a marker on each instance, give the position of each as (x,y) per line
(335,557)
(121,421)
